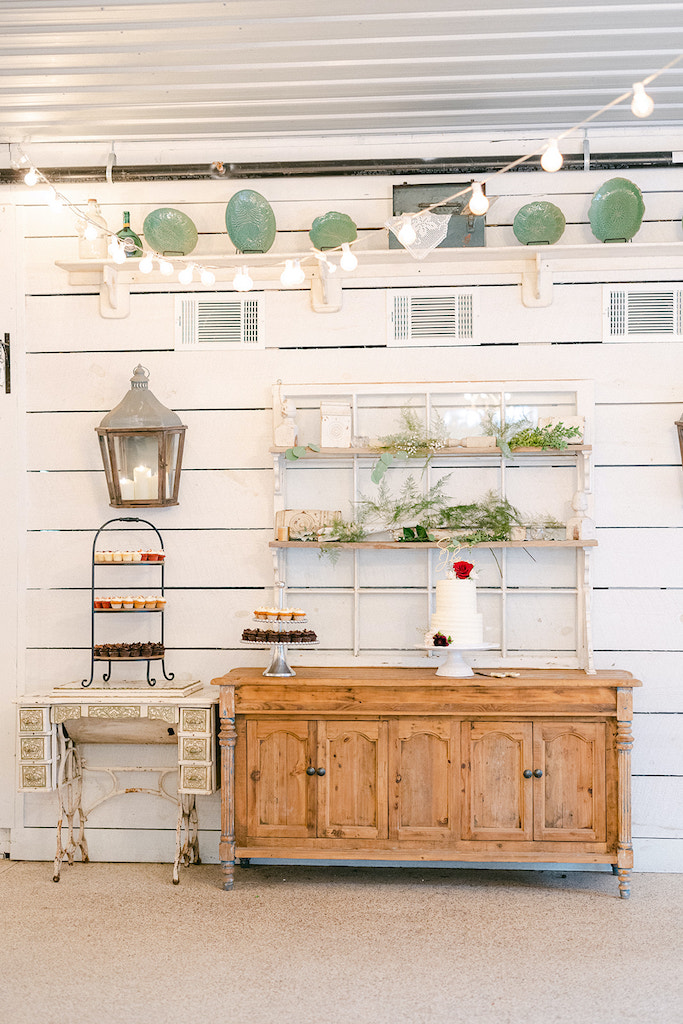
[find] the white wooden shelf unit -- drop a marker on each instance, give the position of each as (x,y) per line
(534,594)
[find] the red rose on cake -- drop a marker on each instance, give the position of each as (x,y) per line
(462,570)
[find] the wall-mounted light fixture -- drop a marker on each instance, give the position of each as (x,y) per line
(141,442)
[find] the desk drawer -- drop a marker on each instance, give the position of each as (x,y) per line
(197,778)
(34,720)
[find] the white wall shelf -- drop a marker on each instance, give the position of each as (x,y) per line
(533,266)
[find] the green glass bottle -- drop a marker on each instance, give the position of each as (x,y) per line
(127,235)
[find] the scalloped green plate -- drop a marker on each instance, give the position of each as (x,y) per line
(250,222)
(539,223)
(170,232)
(331,230)
(616,210)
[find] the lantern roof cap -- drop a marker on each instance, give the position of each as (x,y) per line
(140,409)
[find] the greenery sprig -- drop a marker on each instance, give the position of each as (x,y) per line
(555,435)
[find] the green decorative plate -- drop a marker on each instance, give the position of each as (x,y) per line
(331,230)
(538,223)
(250,221)
(616,210)
(170,232)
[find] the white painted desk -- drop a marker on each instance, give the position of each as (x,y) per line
(53,726)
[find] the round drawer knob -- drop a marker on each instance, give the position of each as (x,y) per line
(310,770)
(321,771)
(527,773)
(538,774)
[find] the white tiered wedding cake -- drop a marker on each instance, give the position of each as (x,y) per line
(456,616)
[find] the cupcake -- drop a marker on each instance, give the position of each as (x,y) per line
(128,602)
(137,556)
(272,614)
(285,614)
(126,556)
(99,556)
(139,601)
(108,556)
(261,613)
(150,603)
(117,556)
(160,603)
(117,603)
(298,614)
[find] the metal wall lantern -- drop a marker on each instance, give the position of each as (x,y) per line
(142,448)
(679,426)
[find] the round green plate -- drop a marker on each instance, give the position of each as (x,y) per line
(616,210)
(170,232)
(538,223)
(250,221)
(331,230)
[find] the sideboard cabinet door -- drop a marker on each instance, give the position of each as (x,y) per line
(423,779)
(352,779)
(280,797)
(497,798)
(569,797)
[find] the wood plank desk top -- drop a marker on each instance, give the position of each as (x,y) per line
(409,677)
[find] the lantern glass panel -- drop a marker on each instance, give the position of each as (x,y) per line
(172,442)
(137,462)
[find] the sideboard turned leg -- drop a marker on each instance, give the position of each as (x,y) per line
(624,883)
(228,869)
(227,737)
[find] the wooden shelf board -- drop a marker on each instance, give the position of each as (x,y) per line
(337,453)
(382,545)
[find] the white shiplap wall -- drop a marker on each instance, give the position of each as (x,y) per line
(219,565)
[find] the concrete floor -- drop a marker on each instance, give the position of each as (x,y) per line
(296,945)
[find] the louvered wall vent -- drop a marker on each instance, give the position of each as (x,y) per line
(652,312)
(431,316)
(218,322)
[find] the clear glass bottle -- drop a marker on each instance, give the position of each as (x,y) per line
(126,234)
(93,248)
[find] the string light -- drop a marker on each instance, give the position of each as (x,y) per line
(241,282)
(348,261)
(406,233)
(478,204)
(552,159)
(293,274)
(642,105)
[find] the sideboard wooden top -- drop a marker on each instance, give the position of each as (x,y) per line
(398,677)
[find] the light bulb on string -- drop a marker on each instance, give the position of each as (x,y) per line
(406,234)
(186,274)
(552,159)
(54,200)
(242,282)
(145,265)
(119,253)
(207,276)
(348,261)
(31,177)
(293,274)
(478,203)
(166,267)
(642,105)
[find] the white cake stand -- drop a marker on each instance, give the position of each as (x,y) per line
(455,665)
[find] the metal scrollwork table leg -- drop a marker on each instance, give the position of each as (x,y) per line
(69,791)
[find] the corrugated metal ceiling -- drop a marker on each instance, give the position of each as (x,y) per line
(272,69)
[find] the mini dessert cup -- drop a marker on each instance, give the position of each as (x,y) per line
(139,602)
(105,602)
(126,556)
(272,614)
(150,603)
(128,603)
(99,556)
(161,603)
(117,556)
(137,556)
(285,614)
(108,556)
(97,602)
(116,604)
(298,614)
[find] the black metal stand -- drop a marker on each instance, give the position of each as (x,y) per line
(106,676)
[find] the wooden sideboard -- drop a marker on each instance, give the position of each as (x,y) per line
(398,764)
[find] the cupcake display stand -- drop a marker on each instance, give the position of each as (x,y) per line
(158,649)
(279,666)
(455,665)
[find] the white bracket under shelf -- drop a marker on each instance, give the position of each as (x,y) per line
(114,297)
(537,282)
(326,290)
